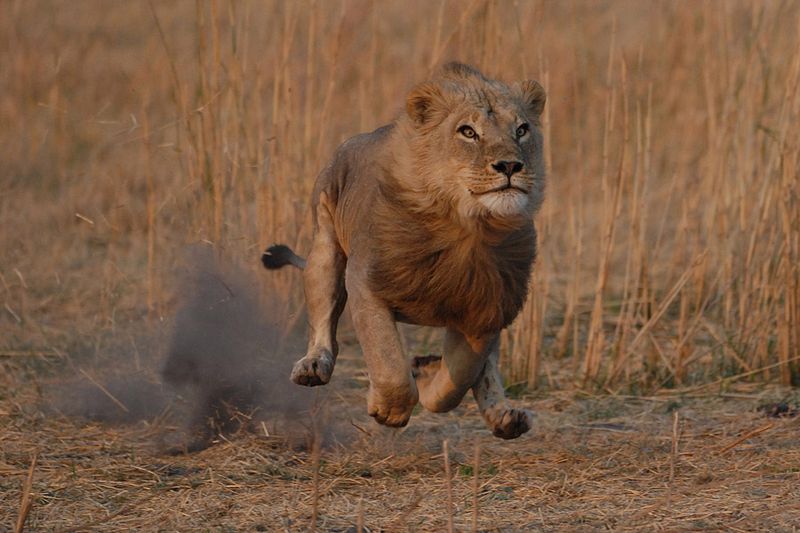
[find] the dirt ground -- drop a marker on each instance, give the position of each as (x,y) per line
(591,463)
(668,265)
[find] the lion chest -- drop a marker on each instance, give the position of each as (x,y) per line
(468,285)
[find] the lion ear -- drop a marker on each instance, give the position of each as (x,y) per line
(424,101)
(533,97)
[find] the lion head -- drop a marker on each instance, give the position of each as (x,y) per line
(476,143)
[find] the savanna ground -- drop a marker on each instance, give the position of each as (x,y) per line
(667,282)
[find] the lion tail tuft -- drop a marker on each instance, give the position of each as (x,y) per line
(280,255)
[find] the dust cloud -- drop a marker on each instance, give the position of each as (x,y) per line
(223,368)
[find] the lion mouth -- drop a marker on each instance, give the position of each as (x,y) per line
(506,187)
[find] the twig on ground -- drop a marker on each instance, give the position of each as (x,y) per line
(25,499)
(475,486)
(673,456)
(744,437)
(449,487)
(315,454)
(360,516)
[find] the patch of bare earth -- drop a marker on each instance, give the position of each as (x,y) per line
(591,463)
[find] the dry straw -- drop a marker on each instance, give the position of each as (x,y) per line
(669,260)
(669,239)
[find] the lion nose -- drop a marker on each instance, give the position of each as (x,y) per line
(509,168)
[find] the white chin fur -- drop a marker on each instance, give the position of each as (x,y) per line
(504,203)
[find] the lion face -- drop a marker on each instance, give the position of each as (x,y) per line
(495,152)
(484,144)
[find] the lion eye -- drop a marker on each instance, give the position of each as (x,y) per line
(468,132)
(522,130)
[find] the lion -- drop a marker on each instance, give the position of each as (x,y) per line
(428,221)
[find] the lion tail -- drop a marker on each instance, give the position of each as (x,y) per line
(280,255)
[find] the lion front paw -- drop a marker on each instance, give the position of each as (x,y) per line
(392,406)
(314,369)
(508,423)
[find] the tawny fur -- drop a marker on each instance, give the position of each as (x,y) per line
(433,271)
(429,220)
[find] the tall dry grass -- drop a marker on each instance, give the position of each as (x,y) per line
(669,239)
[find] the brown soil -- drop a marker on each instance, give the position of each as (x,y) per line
(591,463)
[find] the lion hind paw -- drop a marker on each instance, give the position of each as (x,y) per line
(508,423)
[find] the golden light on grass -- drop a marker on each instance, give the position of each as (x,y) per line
(663,147)
(668,265)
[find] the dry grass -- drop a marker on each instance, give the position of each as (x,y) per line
(669,263)
(669,239)
(593,463)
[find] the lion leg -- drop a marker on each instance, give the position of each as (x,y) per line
(325,294)
(442,382)
(504,421)
(392,392)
